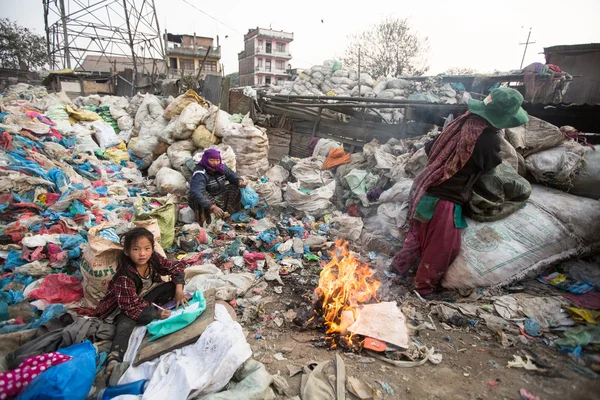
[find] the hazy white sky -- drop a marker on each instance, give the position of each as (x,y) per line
(480,34)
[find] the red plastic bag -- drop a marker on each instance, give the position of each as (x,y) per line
(59,288)
(252,259)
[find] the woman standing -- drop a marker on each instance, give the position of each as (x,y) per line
(214,188)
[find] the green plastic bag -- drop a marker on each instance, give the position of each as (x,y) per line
(180,319)
(336,66)
(164,215)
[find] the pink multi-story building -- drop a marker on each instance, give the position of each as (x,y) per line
(266,57)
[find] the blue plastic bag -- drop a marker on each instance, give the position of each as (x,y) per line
(249,198)
(71,380)
(164,327)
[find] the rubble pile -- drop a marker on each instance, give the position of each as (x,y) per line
(76,175)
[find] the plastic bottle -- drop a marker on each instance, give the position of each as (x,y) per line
(133,388)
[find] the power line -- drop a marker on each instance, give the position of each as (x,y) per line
(210,16)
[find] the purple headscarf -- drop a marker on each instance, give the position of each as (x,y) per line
(212,153)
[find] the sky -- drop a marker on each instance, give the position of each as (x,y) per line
(477,34)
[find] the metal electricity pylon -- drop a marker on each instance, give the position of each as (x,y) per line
(108,30)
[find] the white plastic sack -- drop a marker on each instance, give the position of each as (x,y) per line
(397,193)
(309,175)
(251,147)
(180,152)
(105,134)
(149,109)
(204,367)
(161,162)
(277,174)
(324,145)
(188,121)
(557,166)
(392,218)
(587,181)
(552,227)
(270,191)
(315,201)
(148,138)
(222,122)
(125,123)
(169,181)
(345,226)
(535,136)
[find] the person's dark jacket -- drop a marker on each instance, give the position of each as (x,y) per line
(213,183)
(486,156)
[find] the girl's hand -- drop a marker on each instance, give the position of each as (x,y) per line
(180,299)
(242,183)
(164,314)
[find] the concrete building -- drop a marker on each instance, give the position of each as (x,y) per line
(186,52)
(266,57)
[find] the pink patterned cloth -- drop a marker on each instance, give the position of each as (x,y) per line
(13,382)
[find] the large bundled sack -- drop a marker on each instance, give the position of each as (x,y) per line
(309,174)
(346,227)
(269,191)
(169,181)
(217,121)
(179,153)
(251,147)
(390,221)
(315,202)
(553,226)
(400,192)
(277,174)
(324,145)
(147,142)
(180,103)
(58,114)
(188,121)
(150,109)
(161,162)
(100,257)
(203,138)
(557,166)
(497,194)
(535,136)
(587,181)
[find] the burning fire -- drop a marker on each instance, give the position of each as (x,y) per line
(343,284)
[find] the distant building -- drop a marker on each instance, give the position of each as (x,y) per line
(581,61)
(186,52)
(266,57)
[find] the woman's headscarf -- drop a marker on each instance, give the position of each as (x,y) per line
(212,153)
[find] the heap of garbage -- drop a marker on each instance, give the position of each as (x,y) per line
(76,174)
(333,79)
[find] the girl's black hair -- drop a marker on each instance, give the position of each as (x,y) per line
(129,239)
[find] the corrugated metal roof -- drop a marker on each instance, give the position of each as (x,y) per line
(572,47)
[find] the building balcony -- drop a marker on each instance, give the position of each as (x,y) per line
(215,52)
(274,54)
(272,71)
(176,73)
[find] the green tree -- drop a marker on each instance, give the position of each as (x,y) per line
(234,79)
(20,48)
(391,47)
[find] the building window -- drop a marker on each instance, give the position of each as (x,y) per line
(172,63)
(187,64)
(281,47)
(268,65)
(260,45)
(268,47)
(267,80)
(259,65)
(280,65)
(210,66)
(280,81)
(259,80)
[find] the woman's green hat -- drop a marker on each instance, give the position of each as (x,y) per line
(502,108)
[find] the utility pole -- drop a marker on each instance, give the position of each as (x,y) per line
(527,43)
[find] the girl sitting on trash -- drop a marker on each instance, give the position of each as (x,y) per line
(214,188)
(136,287)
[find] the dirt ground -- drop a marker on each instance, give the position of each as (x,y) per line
(473,366)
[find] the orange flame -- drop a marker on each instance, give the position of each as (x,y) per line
(343,284)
